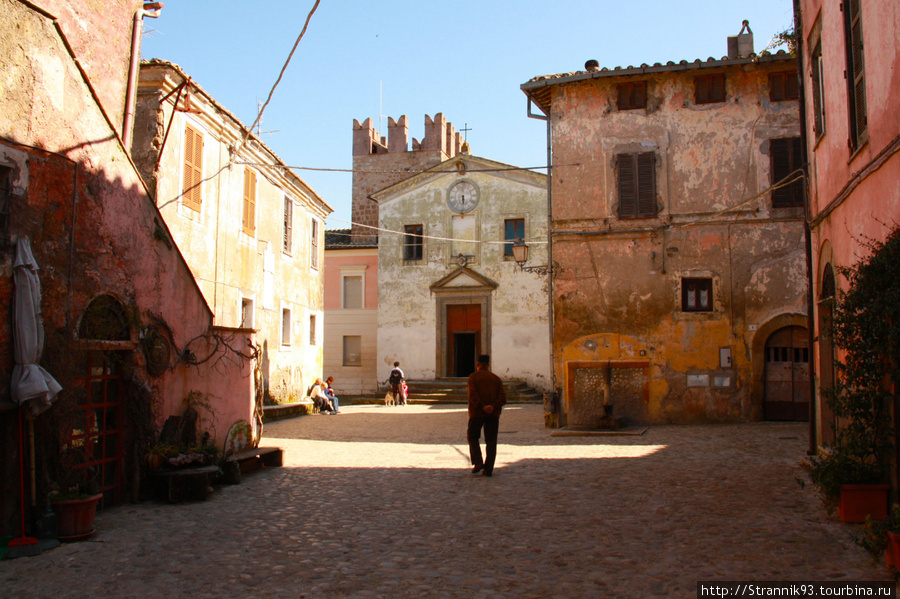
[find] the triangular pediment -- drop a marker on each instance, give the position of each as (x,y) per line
(464,278)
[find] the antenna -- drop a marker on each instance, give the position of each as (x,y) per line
(259,120)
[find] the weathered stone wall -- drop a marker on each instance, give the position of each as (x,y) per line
(623,277)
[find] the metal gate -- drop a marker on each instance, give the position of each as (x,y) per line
(94,435)
(787,375)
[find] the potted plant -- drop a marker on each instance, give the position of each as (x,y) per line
(75,500)
(865,329)
(882,538)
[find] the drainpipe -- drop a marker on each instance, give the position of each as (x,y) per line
(150,9)
(807,235)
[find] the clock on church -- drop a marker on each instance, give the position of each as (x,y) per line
(463,196)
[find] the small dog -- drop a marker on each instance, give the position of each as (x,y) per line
(389,399)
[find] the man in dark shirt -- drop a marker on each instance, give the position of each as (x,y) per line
(486,400)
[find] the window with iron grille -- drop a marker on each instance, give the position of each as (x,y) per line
(785,158)
(696,295)
(783,86)
(636,175)
(192,186)
(709,89)
(632,95)
(288,225)
(514,228)
(314,243)
(249,219)
(818,90)
(856,76)
(413,245)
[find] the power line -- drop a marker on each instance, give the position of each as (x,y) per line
(404,233)
(407,171)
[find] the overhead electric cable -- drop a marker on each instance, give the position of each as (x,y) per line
(277,81)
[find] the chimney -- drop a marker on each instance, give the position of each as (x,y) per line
(592,65)
(741,45)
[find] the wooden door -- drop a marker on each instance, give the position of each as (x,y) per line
(463,338)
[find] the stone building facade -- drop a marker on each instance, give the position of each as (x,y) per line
(251,230)
(678,229)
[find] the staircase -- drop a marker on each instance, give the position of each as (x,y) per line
(448,391)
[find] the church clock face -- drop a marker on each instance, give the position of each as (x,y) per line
(463,197)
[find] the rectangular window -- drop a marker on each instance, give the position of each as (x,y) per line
(514,228)
(856,75)
(412,242)
(5,204)
(312,329)
(288,225)
(783,86)
(818,90)
(247,313)
(632,95)
(314,244)
(353,292)
(709,89)
(696,295)
(249,220)
(637,185)
(352,350)
(784,155)
(285,326)
(193,168)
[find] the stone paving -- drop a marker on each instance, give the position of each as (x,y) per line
(379,502)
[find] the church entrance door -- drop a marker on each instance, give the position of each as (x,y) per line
(463,338)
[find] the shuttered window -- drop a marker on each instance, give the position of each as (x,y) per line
(856,77)
(637,185)
(818,90)
(709,89)
(783,86)
(314,243)
(696,295)
(193,168)
(288,225)
(249,221)
(632,95)
(785,156)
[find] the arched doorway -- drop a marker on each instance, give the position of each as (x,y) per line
(786,378)
(94,434)
(826,355)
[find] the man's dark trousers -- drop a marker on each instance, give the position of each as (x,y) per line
(491,427)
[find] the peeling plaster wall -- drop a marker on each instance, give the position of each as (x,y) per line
(408,309)
(229,264)
(622,278)
(76,195)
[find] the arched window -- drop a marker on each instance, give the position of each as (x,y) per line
(105,319)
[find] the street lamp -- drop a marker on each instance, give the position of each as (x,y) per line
(520,255)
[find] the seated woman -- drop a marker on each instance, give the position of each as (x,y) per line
(317,394)
(329,393)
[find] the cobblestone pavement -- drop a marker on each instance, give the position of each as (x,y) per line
(380,502)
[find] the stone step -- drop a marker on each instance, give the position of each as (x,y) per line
(448,391)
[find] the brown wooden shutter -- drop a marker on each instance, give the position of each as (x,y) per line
(288,224)
(785,159)
(627,173)
(193,168)
(646,178)
(856,78)
(249,221)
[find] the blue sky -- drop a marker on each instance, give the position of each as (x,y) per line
(466,59)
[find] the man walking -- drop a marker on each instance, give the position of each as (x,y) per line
(486,399)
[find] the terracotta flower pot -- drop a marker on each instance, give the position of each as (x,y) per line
(76,517)
(859,501)
(892,551)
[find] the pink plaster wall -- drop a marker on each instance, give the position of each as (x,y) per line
(333,266)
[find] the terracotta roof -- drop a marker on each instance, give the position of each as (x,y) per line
(340,239)
(537,88)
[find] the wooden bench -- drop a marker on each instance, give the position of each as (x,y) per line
(252,459)
(183,484)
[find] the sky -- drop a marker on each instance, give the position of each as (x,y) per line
(466,59)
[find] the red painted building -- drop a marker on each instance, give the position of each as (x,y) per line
(128,334)
(851,92)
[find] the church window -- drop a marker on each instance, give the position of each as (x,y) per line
(514,228)
(412,242)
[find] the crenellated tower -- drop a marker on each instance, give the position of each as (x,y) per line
(379,162)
